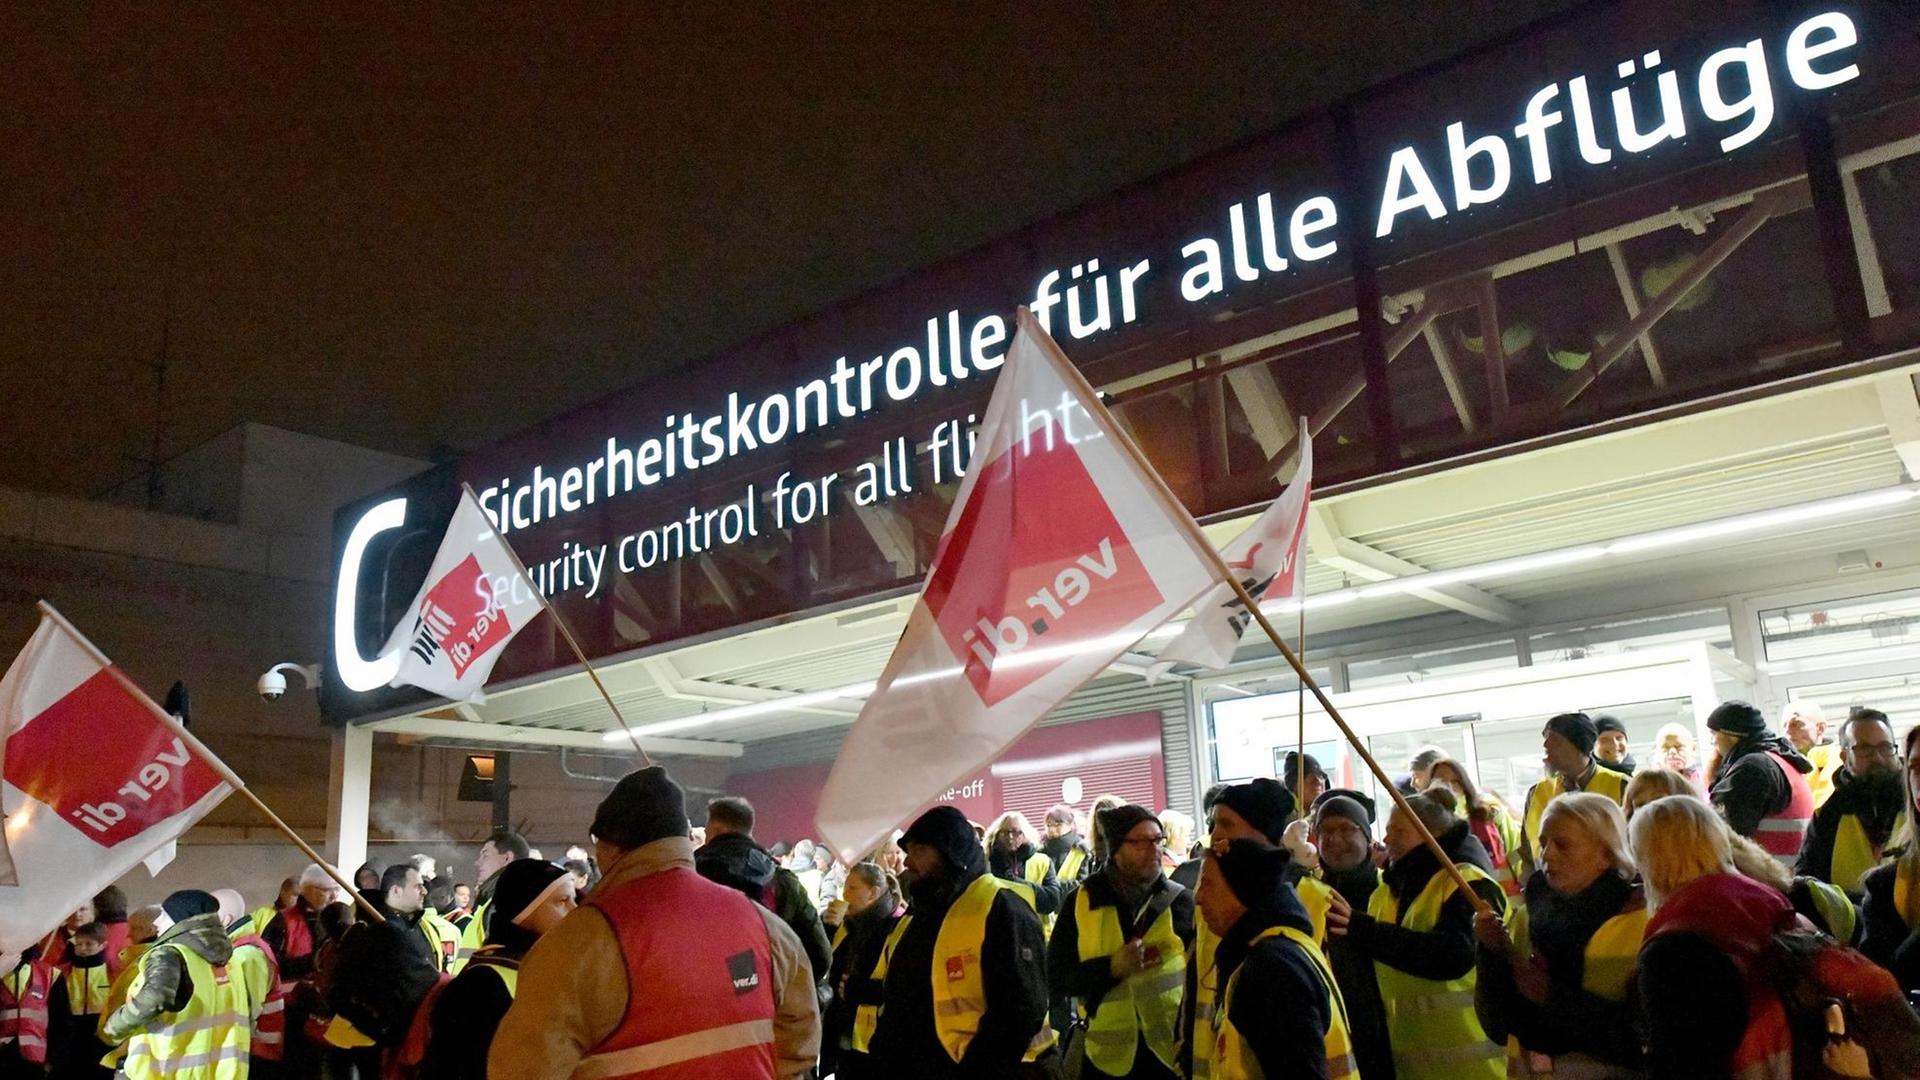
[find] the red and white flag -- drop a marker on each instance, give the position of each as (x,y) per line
(1267,558)
(97,779)
(1062,550)
(475,598)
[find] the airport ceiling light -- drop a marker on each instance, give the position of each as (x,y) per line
(1680,536)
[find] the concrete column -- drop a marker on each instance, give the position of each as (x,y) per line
(349,790)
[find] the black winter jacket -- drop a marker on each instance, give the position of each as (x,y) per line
(735,861)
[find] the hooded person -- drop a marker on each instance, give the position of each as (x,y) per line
(1280,1011)
(965,980)
(1759,781)
(531,898)
(659,960)
(181,1007)
(1119,950)
(1418,930)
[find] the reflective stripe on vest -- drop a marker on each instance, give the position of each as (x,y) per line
(709,945)
(1783,832)
(254,958)
(1226,1056)
(959,990)
(209,1039)
(1431,1024)
(1144,1005)
(87,989)
(23,1009)
(1854,855)
(1603,782)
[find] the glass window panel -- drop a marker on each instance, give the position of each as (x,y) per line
(1509,753)
(1439,663)
(1896,695)
(1830,627)
(1710,625)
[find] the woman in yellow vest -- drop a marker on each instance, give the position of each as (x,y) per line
(1013,854)
(1418,930)
(1554,984)
(1280,1014)
(208,1037)
(532,897)
(1891,915)
(874,907)
(1120,951)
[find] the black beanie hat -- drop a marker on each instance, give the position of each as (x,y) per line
(1737,718)
(1290,769)
(1365,800)
(1577,728)
(1116,823)
(1265,804)
(520,884)
(646,805)
(1341,806)
(187,903)
(1604,724)
(1254,873)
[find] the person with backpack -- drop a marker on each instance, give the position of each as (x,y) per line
(730,857)
(1554,980)
(1705,1003)
(1120,950)
(532,897)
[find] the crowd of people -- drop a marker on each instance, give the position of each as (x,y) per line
(1682,919)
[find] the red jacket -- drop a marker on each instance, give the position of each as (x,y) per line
(1739,916)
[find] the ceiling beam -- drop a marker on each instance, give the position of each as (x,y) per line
(514,735)
(1333,548)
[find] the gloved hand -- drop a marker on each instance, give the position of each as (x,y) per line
(1295,840)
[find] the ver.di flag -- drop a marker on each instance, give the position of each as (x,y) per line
(475,598)
(97,778)
(1267,558)
(1061,551)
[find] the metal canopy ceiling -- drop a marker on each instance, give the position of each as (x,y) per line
(1778,451)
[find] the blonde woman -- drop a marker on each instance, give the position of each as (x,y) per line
(1013,853)
(1650,784)
(1554,986)
(1710,927)
(1178,830)
(1891,914)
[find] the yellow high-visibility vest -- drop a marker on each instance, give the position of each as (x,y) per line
(959,988)
(1144,1005)
(1070,866)
(87,990)
(1854,855)
(1432,1025)
(1610,958)
(489,959)
(1317,897)
(472,938)
(206,1040)
(1605,782)
(442,938)
(1226,1054)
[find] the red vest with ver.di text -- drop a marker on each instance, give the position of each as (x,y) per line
(699,983)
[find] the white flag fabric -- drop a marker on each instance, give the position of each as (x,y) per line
(97,779)
(475,598)
(1267,558)
(1061,551)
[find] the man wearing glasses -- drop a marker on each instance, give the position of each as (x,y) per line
(1120,950)
(1849,832)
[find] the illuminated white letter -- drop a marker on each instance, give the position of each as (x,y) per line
(1802,51)
(1757,103)
(1461,154)
(356,672)
(1405,168)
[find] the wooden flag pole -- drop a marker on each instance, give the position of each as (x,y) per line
(565,632)
(198,750)
(1185,521)
(1300,699)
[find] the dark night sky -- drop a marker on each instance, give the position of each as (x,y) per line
(414,229)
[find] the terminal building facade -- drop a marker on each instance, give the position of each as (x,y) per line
(1604,333)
